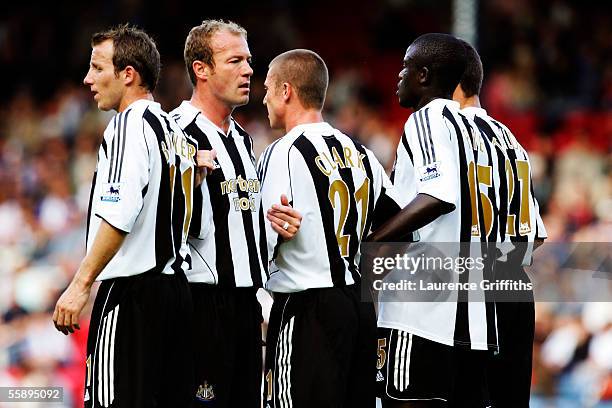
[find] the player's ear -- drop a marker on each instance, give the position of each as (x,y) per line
(287,91)
(130,75)
(201,70)
(424,75)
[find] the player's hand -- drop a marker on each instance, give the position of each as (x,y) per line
(285,220)
(205,163)
(69,306)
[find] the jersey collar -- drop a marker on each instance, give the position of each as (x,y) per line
(442,102)
(190,112)
(474,111)
(318,127)
(143,102)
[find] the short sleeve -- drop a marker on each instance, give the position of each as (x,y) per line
(402,175)
(123,181)
(434,157)
(273,170)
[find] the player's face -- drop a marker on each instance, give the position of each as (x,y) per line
(230,79)
(407,85)
(273,101)
(101,78)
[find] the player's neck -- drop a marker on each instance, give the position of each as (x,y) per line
(215,110)
(302,117)
(428,98)
(132,95)
(470,102)
(465,101)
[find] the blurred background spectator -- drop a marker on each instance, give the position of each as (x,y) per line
(548,76)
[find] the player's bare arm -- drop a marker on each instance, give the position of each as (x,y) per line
(285,220)
(69,306)
(418,213)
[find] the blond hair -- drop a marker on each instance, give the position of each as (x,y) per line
(198,45)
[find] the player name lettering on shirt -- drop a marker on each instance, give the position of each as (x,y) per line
(328,164)
(181,146)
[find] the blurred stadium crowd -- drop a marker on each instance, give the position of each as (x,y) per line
(548,76)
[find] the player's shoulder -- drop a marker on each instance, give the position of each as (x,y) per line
(184,114)
(501,127)
(497,125)
(277,149)
(141,113)
(128,120)
(347,140)
(284,144)
(139,109)
(433,114)
(241,131)
(364,153)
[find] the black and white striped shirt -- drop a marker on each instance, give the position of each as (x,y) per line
(436,157)
(143,185)
(339,188)
(225,236)
(518,218)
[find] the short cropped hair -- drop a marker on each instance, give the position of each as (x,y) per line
(198,45)
(306,71)
(471,80)
(132,46)
(445,57)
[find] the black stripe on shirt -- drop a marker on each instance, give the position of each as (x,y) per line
(350,226)
(509,144)
(220,209)
(91,197)
(515,203)
(418,128)
(263,241)
(112,155)
(178,209)
(266,160)
(117,149)
(488,246)
(247,215)
(433,150)
(462,324)
(163,226)
(321,186)
(178,216)
(198,198)
(426,141)
(502,189)
(248,142)
(407,147)
(466,212)
(371,202)
(118,175)
(485,132)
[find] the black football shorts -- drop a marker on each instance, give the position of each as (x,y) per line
(321,350)
(228,347)
(139,343)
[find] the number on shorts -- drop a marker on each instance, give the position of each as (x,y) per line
(382,354)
